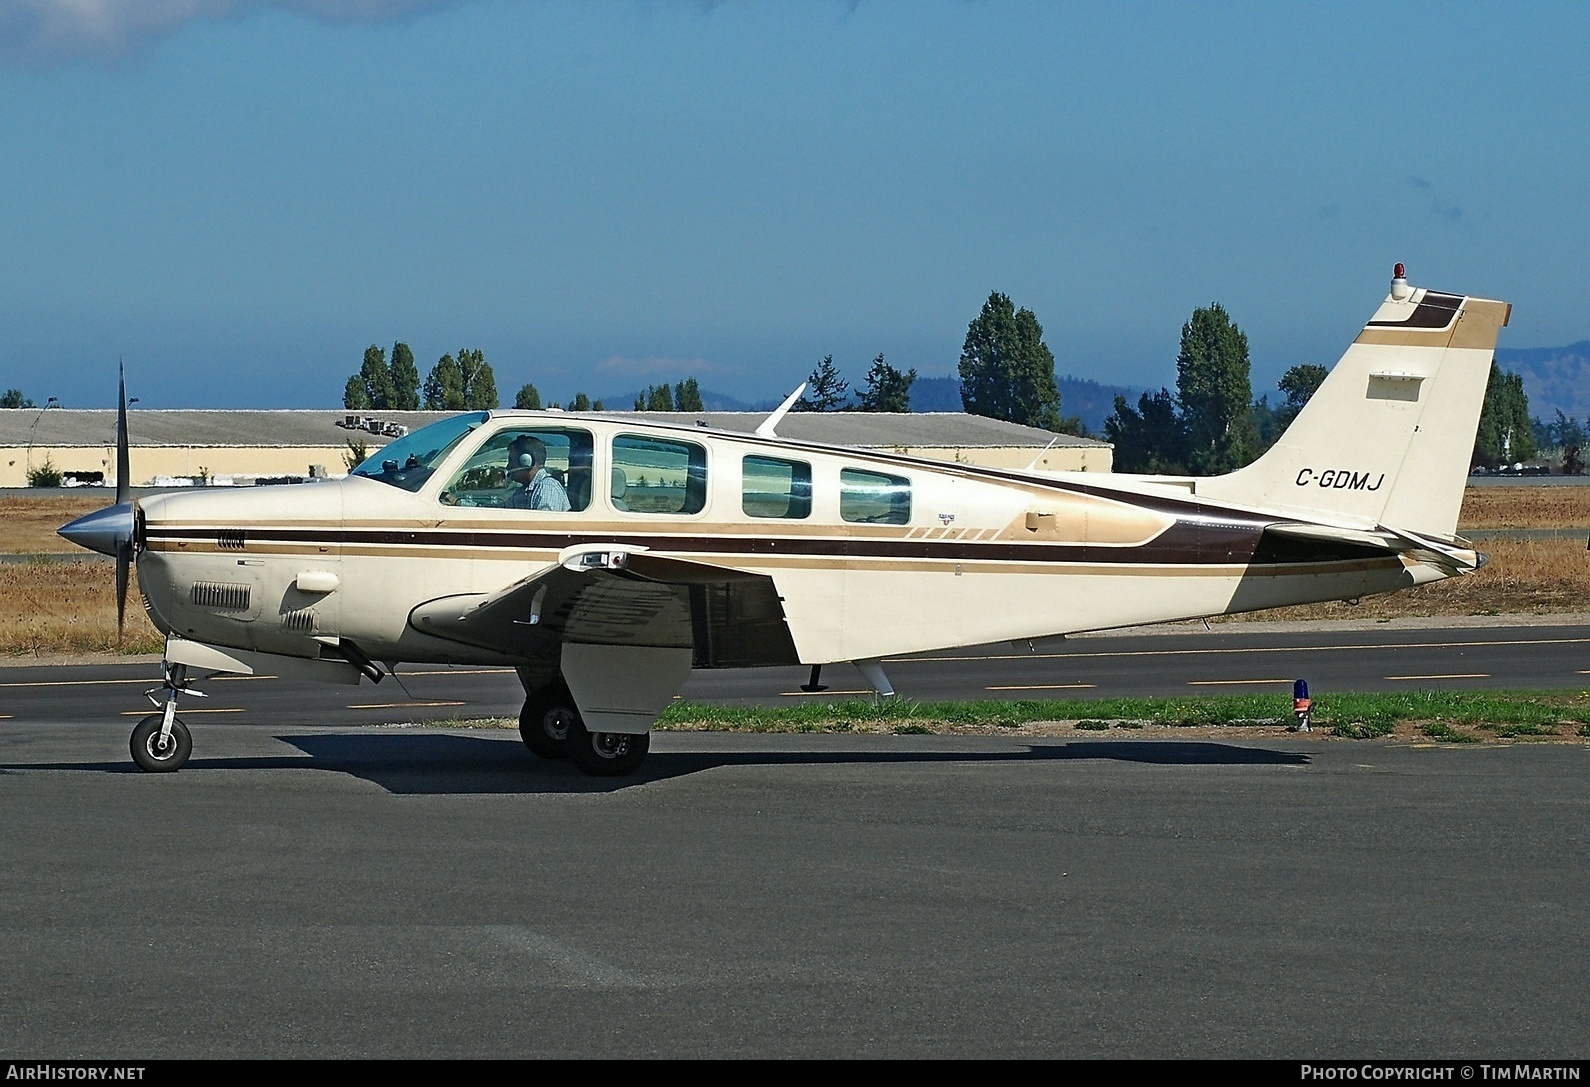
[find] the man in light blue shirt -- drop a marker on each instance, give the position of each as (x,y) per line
(537,488)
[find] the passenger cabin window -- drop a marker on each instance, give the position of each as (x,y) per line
(775,488)
(526,468)
(658,475)
(874,498)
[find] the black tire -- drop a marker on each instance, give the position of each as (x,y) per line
(146,750)
(544,722)
(607,754)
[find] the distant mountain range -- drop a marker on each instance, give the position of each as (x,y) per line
(1555,378)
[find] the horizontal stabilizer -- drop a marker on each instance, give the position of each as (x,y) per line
(1452,554)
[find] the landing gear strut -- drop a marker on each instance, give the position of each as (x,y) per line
(161,743)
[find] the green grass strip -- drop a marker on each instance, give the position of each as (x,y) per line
(1504,713)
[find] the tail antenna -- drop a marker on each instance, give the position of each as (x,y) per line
(769,426)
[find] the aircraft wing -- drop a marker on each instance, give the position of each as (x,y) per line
(620,595)
(1452,554)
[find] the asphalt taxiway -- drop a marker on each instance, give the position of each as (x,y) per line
(330,876)
(418,892)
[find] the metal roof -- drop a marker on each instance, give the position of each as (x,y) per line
(66,428)
(876,430)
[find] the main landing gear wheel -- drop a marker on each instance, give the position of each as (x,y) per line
(606,754)
(157,755)
(544,722)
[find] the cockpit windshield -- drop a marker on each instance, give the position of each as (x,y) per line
(409,461)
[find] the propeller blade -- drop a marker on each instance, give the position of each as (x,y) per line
(123,561)
(123,460)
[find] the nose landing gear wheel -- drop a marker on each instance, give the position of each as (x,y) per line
(606,754)
(545,720)
(155,756)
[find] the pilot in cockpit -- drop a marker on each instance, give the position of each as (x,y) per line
(537,488)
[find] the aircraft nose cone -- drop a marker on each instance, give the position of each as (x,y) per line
(103,530)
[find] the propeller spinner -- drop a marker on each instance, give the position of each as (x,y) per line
(113,530)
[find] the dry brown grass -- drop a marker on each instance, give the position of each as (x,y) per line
(28,524)
(1525,507)
(68,607)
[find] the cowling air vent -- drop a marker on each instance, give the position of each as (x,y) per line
(220,595)
(299,621)
(229,539)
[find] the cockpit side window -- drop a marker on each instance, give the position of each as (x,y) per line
(658,475)
(874,497)
(528,468)
(770,487)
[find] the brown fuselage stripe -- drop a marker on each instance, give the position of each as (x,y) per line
(1185,543)
(729,562)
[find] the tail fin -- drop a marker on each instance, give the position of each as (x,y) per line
(1386,440)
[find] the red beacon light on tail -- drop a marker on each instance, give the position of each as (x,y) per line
(1400,291)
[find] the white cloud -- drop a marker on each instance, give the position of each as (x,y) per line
(48,31)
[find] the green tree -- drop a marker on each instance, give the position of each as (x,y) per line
(1265,424)
(45,475)
(376,377)
(444,386)
(405,379)
(1214,392)
(581,402)
(465,383)
(1150,438)
(825,389)
(1300,383)
(687,396)
(1565,433)
(1007,371)
(660,398)
(596,405)
(528,398)
(13,398)
(887,388)
(354,397)
(480,383)
(1505,434)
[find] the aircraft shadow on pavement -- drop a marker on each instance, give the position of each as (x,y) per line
(442,764)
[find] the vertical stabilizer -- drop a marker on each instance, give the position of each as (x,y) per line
(1386,440)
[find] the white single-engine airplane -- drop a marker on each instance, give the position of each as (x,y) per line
(683,547)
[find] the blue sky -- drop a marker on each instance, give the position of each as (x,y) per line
(237,196)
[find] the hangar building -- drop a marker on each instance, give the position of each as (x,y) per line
(179,448)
